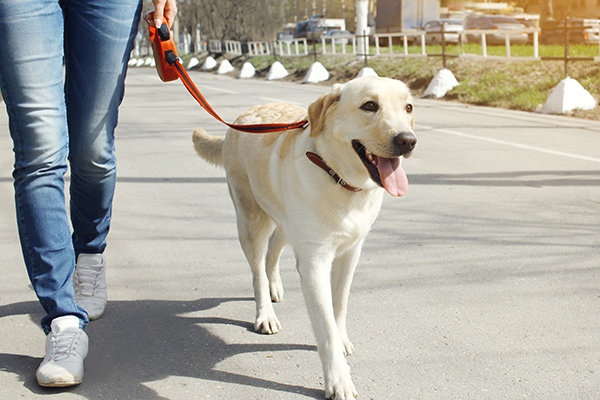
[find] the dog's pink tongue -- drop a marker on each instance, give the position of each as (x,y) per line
(392,176)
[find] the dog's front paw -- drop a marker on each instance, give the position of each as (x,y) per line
(348,347)
(269,324)
(338,382)
(341,388)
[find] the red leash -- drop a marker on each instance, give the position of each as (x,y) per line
(169,68)
(263,128)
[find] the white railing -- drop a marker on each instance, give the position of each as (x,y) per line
(506,33)
(340,40)
(405,36)
(215,46)
(259,48)
(292,47)
(384,44)
(419,37)
(233,47)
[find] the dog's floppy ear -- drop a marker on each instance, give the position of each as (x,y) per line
(318,109)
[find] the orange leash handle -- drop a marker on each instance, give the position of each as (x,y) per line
(162,43)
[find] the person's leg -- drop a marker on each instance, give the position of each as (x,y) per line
(31,75)
(99,36)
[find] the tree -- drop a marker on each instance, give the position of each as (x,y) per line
(248,20)
(233,19)
(256,19)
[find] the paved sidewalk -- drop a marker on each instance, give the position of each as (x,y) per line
(482,283)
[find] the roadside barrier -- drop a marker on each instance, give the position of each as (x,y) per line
(215,46)
(259,48)
(404,36)
(233,47)
(419,37)
(499,32)
(292,47)
(343,40)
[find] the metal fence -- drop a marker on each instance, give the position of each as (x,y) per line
(566,30)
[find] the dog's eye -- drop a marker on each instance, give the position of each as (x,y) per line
(370,106)
(409,108)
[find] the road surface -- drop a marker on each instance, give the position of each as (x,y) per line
(483,282)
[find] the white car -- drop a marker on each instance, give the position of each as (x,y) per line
(433,30)
(474,23)
(591,35)
(338,36)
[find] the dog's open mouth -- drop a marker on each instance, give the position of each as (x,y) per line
(386,172)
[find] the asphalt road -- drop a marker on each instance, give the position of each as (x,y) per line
(483,282)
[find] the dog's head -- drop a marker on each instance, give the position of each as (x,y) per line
(362,128)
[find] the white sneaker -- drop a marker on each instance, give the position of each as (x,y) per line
(89,283)
(66,347)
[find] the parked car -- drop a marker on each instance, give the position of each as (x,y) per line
(311,29)
(433,29)
(285,35)
(339,36)
(528,24)
(473,23)
(592,35)
(414,39)
(580,31)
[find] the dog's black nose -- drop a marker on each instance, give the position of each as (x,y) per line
(405,142)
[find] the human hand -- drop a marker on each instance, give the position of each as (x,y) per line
(166,8)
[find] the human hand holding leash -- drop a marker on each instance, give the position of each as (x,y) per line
(162,8)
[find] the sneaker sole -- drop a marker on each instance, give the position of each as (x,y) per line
(95,317)
(59,384)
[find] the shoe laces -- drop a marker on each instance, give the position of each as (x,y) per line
(87,279)
(63,345)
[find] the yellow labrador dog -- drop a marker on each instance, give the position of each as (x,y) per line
(318,189)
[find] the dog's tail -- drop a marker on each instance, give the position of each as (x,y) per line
(209,147)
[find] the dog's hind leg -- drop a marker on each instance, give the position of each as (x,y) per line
(254,229)
(341,279)
(276,245)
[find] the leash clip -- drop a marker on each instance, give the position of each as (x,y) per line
(171,57)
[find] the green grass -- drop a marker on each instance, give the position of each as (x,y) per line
(516,86)
(578,50)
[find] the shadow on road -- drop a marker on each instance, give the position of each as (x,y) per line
(147,340)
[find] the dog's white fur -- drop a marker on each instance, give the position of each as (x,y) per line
(280,198)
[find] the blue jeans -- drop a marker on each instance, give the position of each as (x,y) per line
(56,115)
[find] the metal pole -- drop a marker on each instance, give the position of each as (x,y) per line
(443,45)
(566,47)
(365,45)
